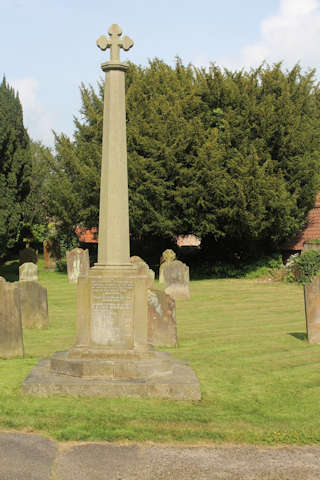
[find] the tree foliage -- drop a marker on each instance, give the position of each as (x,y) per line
(232,157)
(15,167)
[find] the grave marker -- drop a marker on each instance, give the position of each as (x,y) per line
(312,309)
(77,264)
(176,276)
(28,272)
(162,328)
(11,339)
(34,305)
(167,257)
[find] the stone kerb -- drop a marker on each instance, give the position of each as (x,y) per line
(162,328)
(312,309)
(176,276)
(77,264)
(167,257)
(28,272)
(11,337)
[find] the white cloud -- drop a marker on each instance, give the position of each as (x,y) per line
(291,36)
(37,120)
(201,60)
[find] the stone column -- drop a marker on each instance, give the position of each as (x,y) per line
(114,247)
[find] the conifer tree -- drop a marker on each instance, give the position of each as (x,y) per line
(15,167)
(233,157)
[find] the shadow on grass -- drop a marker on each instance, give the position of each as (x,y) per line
(299,335)
(10,271)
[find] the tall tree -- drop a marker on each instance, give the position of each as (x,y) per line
(230,156)
(35,207)
(15,167)
(262,157)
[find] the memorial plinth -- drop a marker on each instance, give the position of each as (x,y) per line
(112,356)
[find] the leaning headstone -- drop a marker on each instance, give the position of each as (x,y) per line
(167,257)
(312,309)
(34,305)
(176,277)
(143,268)
(27,255)
(77,264)
(162,328)
(11,339)
(28,272)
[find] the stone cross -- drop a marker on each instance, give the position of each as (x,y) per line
(114,42)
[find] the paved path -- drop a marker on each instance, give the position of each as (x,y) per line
(33,457)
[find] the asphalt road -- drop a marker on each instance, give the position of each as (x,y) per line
(33,457)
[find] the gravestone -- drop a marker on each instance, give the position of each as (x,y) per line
(176,277)
(77,264)
(162,328)
(34,305)
(167,257)
(49,255)
(27,255)
(143,268)
(28,272)
(312,309)
(11,339)
(112,355)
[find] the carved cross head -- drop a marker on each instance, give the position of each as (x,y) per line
(114,42)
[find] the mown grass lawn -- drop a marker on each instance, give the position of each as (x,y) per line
(260,379)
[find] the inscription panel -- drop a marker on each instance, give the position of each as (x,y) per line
(112,312)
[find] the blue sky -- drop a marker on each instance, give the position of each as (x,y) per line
(48,47)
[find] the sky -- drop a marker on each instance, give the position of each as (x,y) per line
(48,47)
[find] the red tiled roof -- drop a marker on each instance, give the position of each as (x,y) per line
(87,235)
(312,230)
(188,241)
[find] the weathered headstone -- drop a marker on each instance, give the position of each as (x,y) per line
(27,255)
(77,264)
(143,268)
(167,257)
(312,309)
(34,305)
(112,355)
(49,255)
(28,272)
(162,328)
(11,339)
(176,277)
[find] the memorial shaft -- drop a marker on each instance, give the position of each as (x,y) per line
(114,248)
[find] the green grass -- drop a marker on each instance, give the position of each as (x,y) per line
(260,379)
